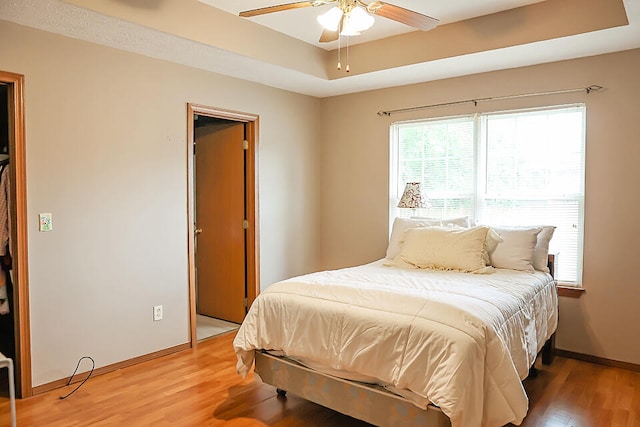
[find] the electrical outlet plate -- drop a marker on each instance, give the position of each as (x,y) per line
(157,313)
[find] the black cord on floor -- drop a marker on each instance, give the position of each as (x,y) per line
(74,373)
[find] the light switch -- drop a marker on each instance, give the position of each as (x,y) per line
(45,222)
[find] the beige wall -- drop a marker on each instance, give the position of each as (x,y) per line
(106,155)
(605,322)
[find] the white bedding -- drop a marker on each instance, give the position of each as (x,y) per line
(462,341)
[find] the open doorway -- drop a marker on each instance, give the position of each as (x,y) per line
(223,213)
(7,309)
(16,278)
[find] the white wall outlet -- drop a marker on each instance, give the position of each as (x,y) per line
(157,313)
(45,222)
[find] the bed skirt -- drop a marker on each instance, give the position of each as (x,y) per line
(365,402)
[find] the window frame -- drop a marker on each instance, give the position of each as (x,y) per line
(480,148)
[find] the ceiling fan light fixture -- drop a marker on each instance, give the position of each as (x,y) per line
(330,20)
(359,19)
(349,27)
(348,30)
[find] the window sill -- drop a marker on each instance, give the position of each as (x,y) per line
(570,291)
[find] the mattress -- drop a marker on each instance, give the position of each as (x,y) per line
(459,340)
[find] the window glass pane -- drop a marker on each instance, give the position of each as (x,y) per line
(534,176)
(535,153)
(440,155)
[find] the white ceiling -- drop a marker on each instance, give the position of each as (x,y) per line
(63,18)
(301,23)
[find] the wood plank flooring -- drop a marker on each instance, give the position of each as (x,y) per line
(200,388)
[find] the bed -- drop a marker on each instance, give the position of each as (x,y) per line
(422,337)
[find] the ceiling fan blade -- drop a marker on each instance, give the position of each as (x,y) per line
(277,8)
(328,36)
(404,16)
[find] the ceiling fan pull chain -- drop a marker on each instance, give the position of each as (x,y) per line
(347,68)
(339,38)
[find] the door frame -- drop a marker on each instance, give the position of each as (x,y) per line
(251,122)
(18,190)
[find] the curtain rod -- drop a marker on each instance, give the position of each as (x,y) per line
(588,90)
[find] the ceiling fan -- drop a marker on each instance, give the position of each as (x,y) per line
(349,17)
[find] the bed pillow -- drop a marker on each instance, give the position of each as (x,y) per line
(461,221)
(490,244)
(445,248)
(515,252)
(541,252)
(400,227)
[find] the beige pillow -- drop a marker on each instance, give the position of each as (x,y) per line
(445,248)
(515,252)
(460,221)
(490,244)
(399,229)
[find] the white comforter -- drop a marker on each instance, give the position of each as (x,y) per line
(462,341)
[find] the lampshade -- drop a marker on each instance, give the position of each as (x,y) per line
(413,197)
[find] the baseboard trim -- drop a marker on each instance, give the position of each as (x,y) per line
(598,360)
(110,368)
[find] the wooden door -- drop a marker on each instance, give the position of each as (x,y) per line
(219,218)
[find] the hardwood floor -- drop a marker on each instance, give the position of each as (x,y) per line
(201,388)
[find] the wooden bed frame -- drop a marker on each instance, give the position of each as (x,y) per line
(366,402)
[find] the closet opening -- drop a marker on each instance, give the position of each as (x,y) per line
(7,334)
(14,309)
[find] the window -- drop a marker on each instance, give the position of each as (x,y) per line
(509,168)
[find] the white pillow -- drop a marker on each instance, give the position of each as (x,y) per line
(515,252)
(461,221)
(400,226)
(541,251)
(445,249)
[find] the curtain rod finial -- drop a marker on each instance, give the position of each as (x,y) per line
(384,113)
(593,88)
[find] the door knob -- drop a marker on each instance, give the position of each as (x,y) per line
(197,231)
